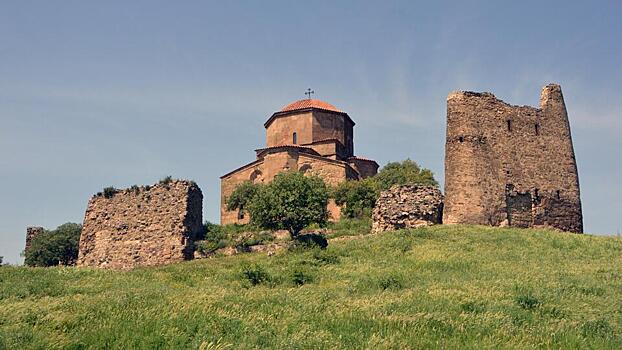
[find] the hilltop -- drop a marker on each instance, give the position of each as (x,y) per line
(444,286)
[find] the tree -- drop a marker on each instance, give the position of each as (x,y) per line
(56,247)
(406,172)
(242,196)
(291,201)
(1,259)
(357,198)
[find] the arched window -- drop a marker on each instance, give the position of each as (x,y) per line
(303,169)
(256,176)
(537,129)
(295,139)
(509,125)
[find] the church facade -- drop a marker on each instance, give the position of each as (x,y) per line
(310,136)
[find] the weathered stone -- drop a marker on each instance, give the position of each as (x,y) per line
(152,225)
(407,206)
(510,165)
(31,233)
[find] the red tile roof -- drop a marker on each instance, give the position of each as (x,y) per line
(303,104)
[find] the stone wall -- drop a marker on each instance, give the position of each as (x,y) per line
(31,233)
(281,130)
(142,226)
(407,206)
(510,165)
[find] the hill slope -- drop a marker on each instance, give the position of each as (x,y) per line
(457,286)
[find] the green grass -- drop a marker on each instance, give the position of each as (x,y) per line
(441,287)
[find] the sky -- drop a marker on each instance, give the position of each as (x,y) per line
(116,93)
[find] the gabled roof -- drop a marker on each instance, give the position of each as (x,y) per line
(307,105)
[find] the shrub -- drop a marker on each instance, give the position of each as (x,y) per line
(257,238)
(472,307)
(406,172)
(109,192)
(166,180)
(56,247)
(600,327)
(135,189)
(390,282)
(525,299)
(357,198)
(255,274)
(325,257)
(301,277)
(309,241)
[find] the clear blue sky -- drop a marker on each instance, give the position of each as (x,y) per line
(99,93)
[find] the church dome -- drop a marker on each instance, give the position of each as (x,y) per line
(307,103)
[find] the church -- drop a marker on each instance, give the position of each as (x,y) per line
(310,136)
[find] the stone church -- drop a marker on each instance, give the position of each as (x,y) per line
(310,136)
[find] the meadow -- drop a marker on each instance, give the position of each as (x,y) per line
(466,287)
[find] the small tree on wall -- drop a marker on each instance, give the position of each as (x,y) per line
(291,202)
(402,173)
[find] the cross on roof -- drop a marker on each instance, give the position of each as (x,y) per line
(309,92)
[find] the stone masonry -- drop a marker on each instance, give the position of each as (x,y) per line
(31,233)
(141,226)
(407,206)
(510,165)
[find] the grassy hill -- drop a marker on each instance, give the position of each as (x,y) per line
(446,286)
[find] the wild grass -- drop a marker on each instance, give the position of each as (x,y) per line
(440,287)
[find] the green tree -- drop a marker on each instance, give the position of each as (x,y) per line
(1,259)
(291,202)
(357,198)
(406,172)
(242,196)
(59,246)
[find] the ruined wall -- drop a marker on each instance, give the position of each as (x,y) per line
(281,129)
(510,165)
(143,226)
(31,233)
(407,206)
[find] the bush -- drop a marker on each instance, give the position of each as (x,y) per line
(325,257)
(301,277)
(135,189)
(310,240)
(291,202)
(390,282)
(526,299)
(56,247)
(255,274)
(406,172)
(357,198)
(109,192)
(166,180)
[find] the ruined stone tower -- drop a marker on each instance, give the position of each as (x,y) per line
(510,165)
